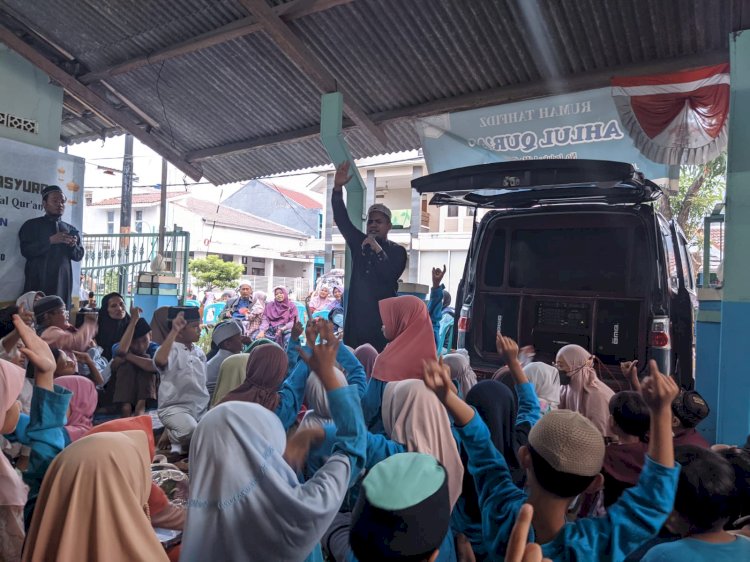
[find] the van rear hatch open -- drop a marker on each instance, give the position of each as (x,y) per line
(519,184)
(568,259)
(551,278)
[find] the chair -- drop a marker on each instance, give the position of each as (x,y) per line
(445,335)
(212,312)
(321,314)
(301,312)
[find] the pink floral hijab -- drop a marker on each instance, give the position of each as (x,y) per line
(82,404)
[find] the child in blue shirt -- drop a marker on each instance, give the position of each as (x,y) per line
(44,432)
(564,459)
(705,503)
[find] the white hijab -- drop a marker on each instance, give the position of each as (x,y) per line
(461,371)
(245,500)
(546,381)
(316,399)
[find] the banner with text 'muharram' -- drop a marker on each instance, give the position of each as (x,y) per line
(24,171)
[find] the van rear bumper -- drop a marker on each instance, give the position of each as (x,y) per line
(663,358)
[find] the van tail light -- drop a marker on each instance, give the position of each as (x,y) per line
(659,336)
(464,325)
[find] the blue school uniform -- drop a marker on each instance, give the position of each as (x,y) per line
(153,347)
(633,519)
(349,440)
(694,550)
(527,416)
(292,390)
(46,436)
(435,308)
(372,403)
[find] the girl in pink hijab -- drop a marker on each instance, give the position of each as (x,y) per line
(408,328)
(366,354)
(13,491)
(582,391)
(82,405)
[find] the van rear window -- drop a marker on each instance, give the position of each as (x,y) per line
(574,259)
(494,266)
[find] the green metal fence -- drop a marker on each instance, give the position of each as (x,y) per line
(112,262)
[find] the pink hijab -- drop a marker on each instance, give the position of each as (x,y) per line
(12,489)
(585,394)
(407,324)
(82,405)
(366,354)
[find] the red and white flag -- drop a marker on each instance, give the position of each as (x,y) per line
(678,118)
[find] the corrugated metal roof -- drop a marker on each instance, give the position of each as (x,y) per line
(391,55)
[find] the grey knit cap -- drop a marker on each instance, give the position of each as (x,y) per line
(569,442)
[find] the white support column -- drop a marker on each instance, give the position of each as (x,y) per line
(416,223)
(370,185)
(328,226)
(269,272)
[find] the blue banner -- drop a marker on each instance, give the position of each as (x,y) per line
(572,126)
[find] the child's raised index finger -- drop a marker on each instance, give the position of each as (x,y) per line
(519,535)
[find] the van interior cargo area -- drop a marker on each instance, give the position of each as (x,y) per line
(608,327)
(570,279)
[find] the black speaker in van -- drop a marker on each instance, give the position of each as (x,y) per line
(616,332)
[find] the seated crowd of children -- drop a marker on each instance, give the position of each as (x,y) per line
(300,448)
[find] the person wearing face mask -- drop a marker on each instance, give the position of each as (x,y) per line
(49,244)
(377,264)
(582,391)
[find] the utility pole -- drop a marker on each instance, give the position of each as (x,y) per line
(126,200)
(163,207)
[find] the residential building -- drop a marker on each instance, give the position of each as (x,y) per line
(280,205)
(258,244)
(440,237)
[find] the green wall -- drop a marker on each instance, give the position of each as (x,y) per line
(26,92)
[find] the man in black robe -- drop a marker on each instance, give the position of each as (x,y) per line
(49,244)
(377,264)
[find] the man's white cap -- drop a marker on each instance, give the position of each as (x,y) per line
(379,208)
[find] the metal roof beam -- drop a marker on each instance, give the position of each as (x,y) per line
(496,96)
(288,12)
(96,102)
(293,47)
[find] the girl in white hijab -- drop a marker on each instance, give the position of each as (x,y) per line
(316,400)
(246,502)
(546,381)
(461,372)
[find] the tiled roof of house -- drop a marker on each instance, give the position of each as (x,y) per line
(300,198)
(139,198)
(226,216)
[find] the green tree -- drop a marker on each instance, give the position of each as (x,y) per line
(111,281)
(701,188)
(213,272)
